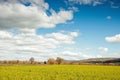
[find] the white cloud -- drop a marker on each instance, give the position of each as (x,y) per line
(73,8)
(27,44)
(18,38)
(87,2)
(108,17)
(81,1)
(113,39)
(112,3)
(5,35)
(103,49)
(74,34)
(97,2)
(62,37)
(74,55)
(16,15)
(77,55)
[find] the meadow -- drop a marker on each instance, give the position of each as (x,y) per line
(60,72)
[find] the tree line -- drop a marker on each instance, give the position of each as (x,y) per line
(58,60)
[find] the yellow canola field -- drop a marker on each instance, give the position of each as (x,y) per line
(60,72)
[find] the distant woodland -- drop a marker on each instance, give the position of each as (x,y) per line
(59,60)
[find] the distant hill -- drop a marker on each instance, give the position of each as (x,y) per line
(102,60)
(96,60)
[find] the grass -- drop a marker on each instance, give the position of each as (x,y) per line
(60,72)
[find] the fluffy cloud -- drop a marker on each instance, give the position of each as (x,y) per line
(113,39)
(18,21)
(27,43)
(103,49)
(14,14)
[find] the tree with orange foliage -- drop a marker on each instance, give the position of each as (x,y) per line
(51,61)
(59,60)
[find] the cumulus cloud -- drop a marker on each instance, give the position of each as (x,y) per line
(18,22)
(14,14)
(27,43)
(103,49)
(113,39)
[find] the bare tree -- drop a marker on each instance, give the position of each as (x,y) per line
(31,60)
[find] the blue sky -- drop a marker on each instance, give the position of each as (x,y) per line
(72,29)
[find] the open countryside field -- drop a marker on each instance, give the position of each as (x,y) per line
(60,72)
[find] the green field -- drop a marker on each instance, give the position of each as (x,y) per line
(60,72)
